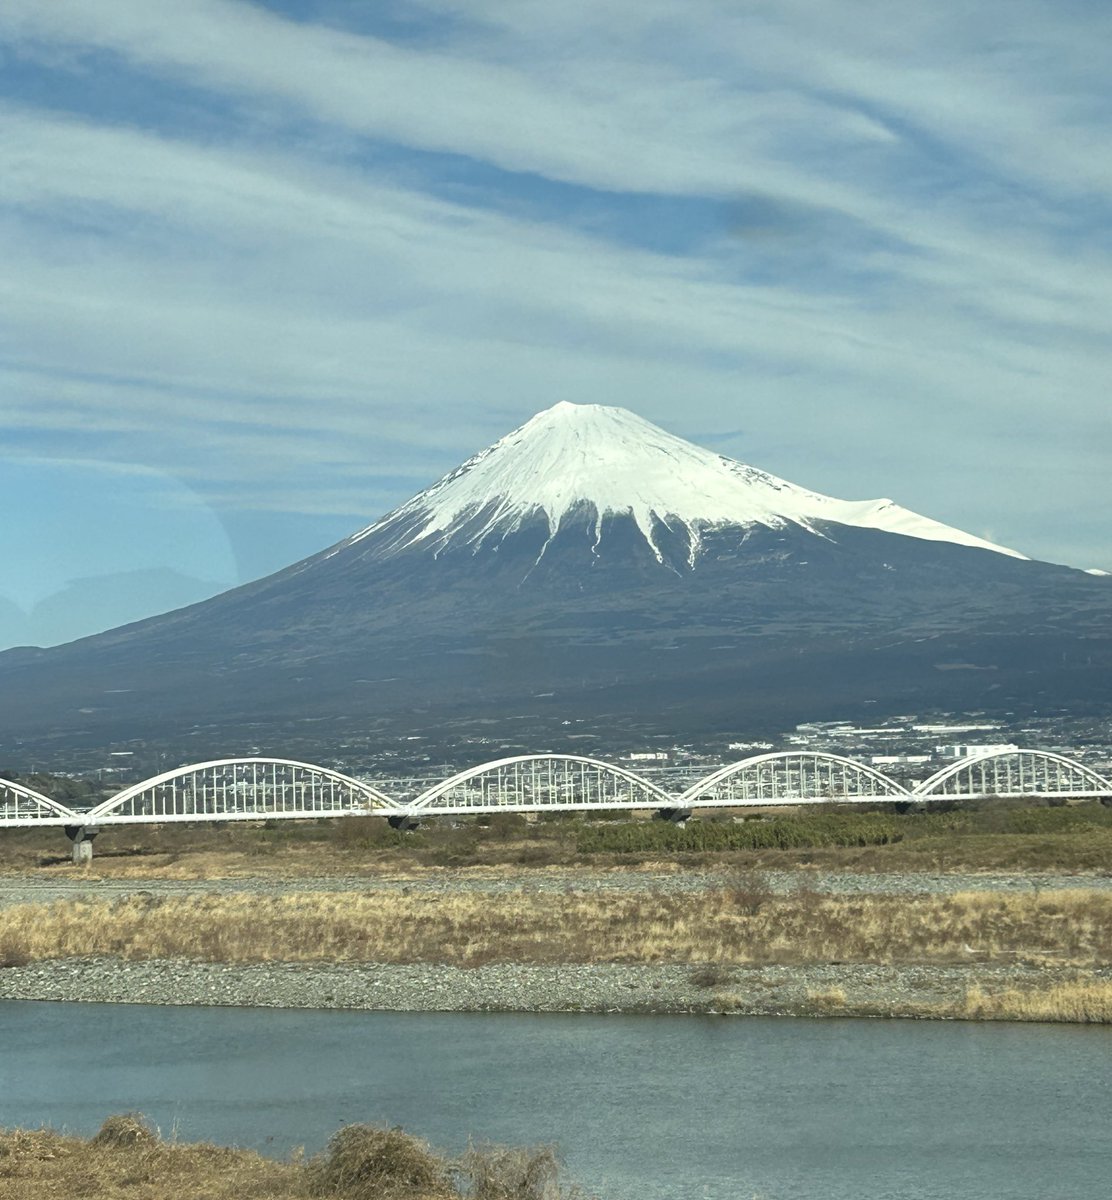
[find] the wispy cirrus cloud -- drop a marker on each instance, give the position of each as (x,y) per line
(310,263)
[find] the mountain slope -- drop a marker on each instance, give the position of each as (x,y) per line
(587,564)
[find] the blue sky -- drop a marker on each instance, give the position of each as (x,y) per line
(271,268)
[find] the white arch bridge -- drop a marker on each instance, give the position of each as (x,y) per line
(252,789)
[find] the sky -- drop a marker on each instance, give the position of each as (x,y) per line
(271,268)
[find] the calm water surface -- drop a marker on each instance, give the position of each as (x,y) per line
(641,1107)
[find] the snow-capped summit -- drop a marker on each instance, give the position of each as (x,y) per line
(611,462)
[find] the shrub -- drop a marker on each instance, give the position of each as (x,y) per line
(124,1131)
(364,833)
(503,826)
(543,854)
(509,1173)
(12,954)
(748,892)
(363,1162)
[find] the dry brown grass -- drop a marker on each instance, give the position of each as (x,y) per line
(1060,928)
(1082,1001)
(127,1160)
(827,1000)
(514,1173)
(44,1165)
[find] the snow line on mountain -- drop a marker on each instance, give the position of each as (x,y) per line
(614,461)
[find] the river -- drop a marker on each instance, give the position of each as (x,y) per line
(642,1108)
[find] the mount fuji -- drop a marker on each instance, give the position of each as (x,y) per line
(588,566)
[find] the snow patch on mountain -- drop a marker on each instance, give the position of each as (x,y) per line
(614,460)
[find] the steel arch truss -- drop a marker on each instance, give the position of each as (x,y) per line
(791,777)
(240,789)
(1016,773)
(20,805)
(541,783)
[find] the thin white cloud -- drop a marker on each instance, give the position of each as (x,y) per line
(246,301)
(1020,84)
(240,208)
(637,127)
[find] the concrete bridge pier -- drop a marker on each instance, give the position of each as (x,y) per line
(678,816)
(82,838)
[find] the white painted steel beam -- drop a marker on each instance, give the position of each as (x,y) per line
(540,783)
(251,789)
(242,789)
(1015,773)
(21,807)
(791,777)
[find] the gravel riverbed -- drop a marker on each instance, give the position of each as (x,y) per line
(31,889)
(832,988)
(432,987)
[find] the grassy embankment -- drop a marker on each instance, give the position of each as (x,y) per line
(127,1160)
(997,836)
(737,925)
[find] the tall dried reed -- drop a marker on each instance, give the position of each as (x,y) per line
(722,926)
(1081,1001)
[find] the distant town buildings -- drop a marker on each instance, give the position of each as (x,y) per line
(968,751)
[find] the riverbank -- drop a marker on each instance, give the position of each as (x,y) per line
(788,943)
(128,1160)
(978,991)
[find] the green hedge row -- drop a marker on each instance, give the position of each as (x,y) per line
(1067,819)
(781,833)
(824,828)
